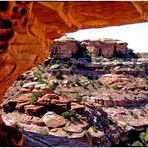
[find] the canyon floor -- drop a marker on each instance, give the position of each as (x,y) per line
(65,103)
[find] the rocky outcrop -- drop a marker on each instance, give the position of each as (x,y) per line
(36,25)
(64,48)
(105,47)
(67,47)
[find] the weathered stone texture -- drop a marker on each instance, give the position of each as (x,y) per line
(64,48)
(27,28)
(105,47)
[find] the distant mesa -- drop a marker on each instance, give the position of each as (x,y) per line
(66,47)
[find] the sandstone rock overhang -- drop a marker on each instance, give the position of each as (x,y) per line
(28,28)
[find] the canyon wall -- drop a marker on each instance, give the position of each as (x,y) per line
(105,47)
(28,28)
(66,47)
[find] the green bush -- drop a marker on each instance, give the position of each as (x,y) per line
(50,64)
(144,137)
(77,95)
(53,61)
(68,114)
(38,75)
(142,140)
(53,86)
(57,61)
(58,75)
(106,68)
(137,144)
(34,97)
(68,64)
(98,59)
(21,83)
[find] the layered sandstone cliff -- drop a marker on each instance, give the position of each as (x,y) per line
(27,28)
(66,47)
(105,47)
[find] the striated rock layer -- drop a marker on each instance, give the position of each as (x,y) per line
(28,28)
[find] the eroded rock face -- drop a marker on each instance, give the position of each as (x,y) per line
(105,47)
(64,48)
(16,38)
(27,28)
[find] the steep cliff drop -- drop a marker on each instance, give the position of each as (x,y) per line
(28,28)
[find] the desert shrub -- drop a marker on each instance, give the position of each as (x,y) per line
(58,75)
(68,64)
(141,140)
(137,144)
(39,77)
(144,137)
(77,95)
(21,83)
(98,59)
(53,86)
(57,61)
(51,63)
(106,68)
(34,97)
(68,114)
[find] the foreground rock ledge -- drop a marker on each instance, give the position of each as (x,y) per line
(28,28)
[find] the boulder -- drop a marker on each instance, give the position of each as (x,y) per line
(73,128)
(24,98)
(45,100)
(40,86)
(58,132)
(25,90)
(55,66)
(60,105)
(52,120)
(33,110)
(20,107)
(79,108)
(29,85)
(98,136)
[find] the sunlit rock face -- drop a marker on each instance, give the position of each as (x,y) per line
(27,28)
(64,48)
(105,47)
(20,48)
